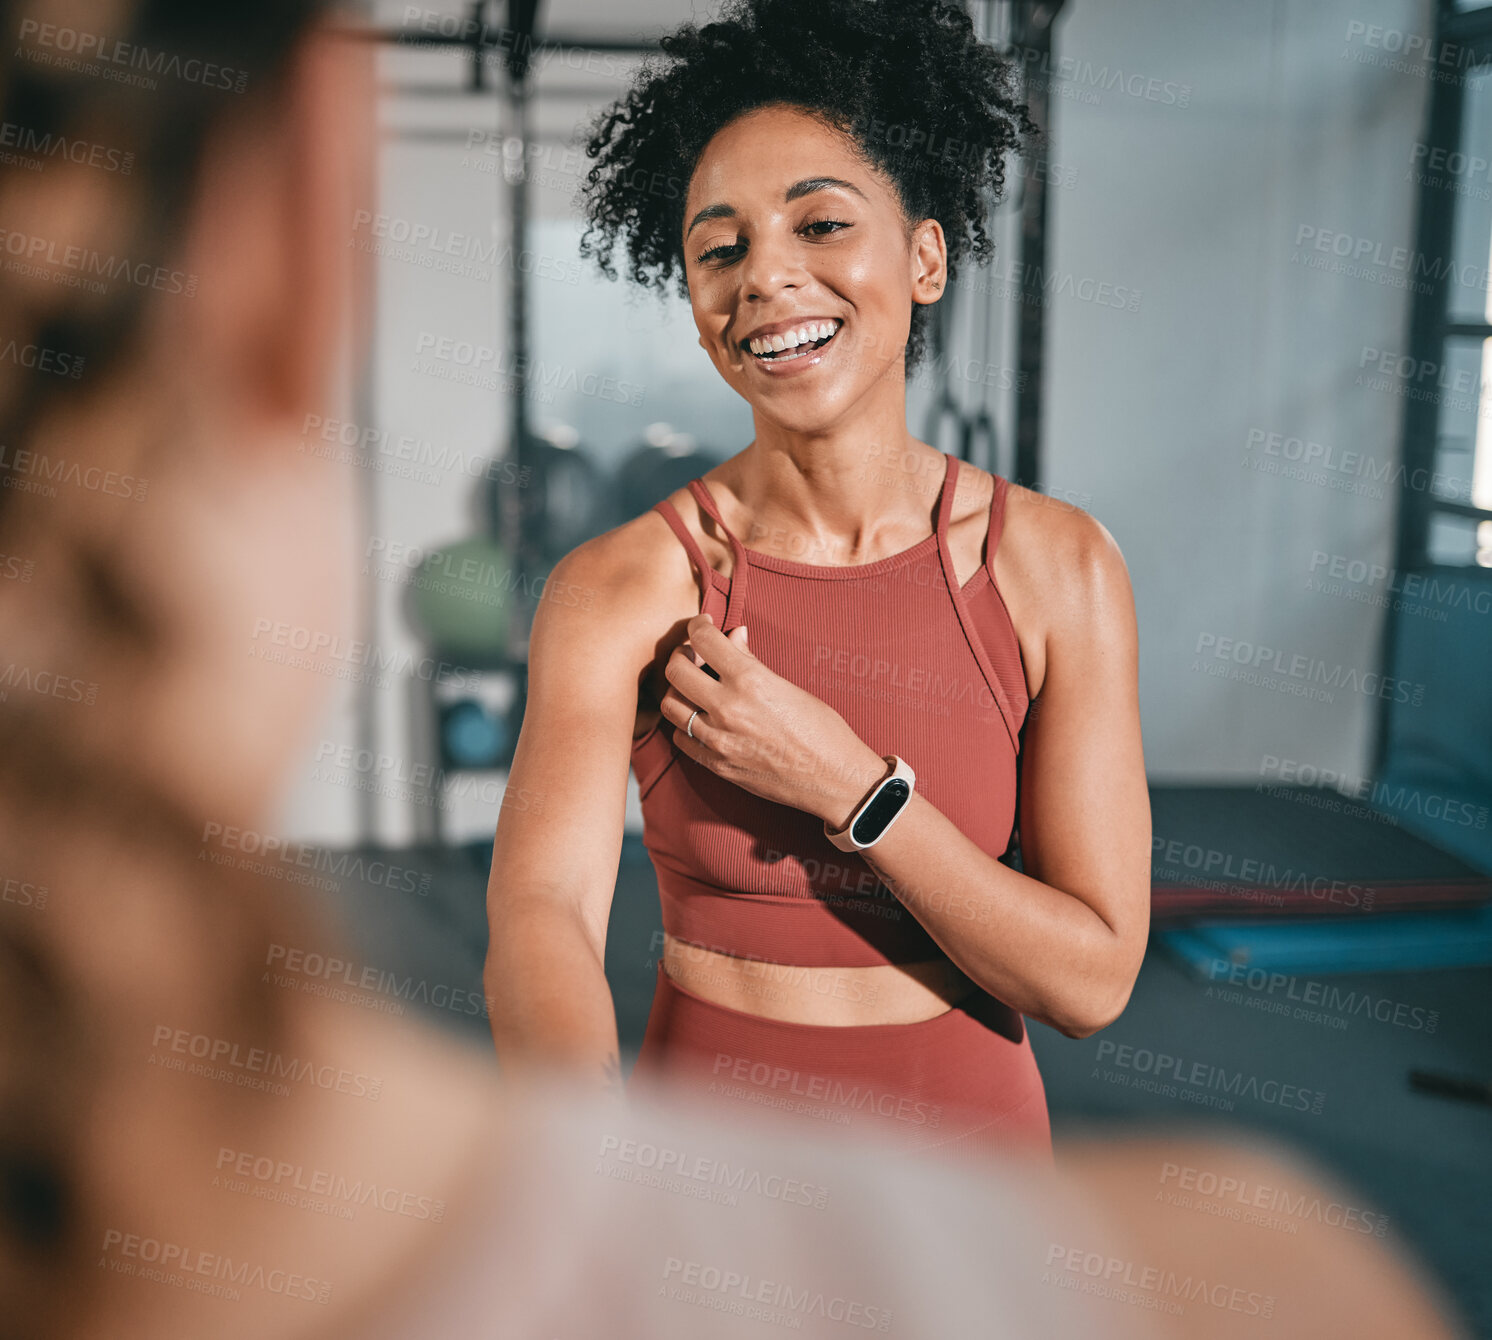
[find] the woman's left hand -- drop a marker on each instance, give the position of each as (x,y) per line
(762,731)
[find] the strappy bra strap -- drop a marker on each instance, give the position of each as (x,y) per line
(667,511)
(996,522)
(712,601)
(945,495)
(735,610)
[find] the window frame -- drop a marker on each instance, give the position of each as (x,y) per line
(1431,331)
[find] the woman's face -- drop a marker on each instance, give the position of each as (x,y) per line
(788,233)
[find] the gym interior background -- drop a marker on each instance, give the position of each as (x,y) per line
(1239,312)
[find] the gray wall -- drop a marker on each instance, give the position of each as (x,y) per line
(1210,210)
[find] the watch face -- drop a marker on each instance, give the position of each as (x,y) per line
(889,799)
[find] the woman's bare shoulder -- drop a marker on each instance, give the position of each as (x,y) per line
(1055,527)
(636,577)
(1062,577)
(1064,549)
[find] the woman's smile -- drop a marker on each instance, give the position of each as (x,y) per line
(791,347)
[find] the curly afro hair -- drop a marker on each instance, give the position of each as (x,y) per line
(908,81)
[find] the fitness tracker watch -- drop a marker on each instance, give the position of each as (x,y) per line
(878,811)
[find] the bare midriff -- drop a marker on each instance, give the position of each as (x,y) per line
(893,993)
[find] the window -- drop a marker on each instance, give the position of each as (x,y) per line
(1447,515)
(1439,635)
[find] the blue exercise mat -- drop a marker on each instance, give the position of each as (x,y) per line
(1390,942)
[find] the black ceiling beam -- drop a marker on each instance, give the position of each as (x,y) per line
(490,37)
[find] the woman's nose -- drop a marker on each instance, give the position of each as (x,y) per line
(770,267)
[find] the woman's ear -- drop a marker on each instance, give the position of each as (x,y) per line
(929,261)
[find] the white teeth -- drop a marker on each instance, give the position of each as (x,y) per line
(808,333)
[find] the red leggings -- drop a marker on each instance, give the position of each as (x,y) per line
(964,1081)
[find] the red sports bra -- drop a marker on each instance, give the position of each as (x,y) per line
(918,667)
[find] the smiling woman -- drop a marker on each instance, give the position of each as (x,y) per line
(829,800)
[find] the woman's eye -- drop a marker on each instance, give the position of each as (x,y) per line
(717,253)
(731,251)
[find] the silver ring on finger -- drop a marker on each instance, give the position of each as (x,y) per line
(690,727)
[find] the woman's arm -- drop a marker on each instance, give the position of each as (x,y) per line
(1061,943)
(559,833)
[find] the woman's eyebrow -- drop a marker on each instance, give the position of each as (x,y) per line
(810,184)
(794,192)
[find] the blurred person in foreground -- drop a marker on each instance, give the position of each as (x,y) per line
(188,1146)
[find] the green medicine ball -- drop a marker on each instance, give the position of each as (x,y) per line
(460,597)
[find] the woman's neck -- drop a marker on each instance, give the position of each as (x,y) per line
(851,497)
